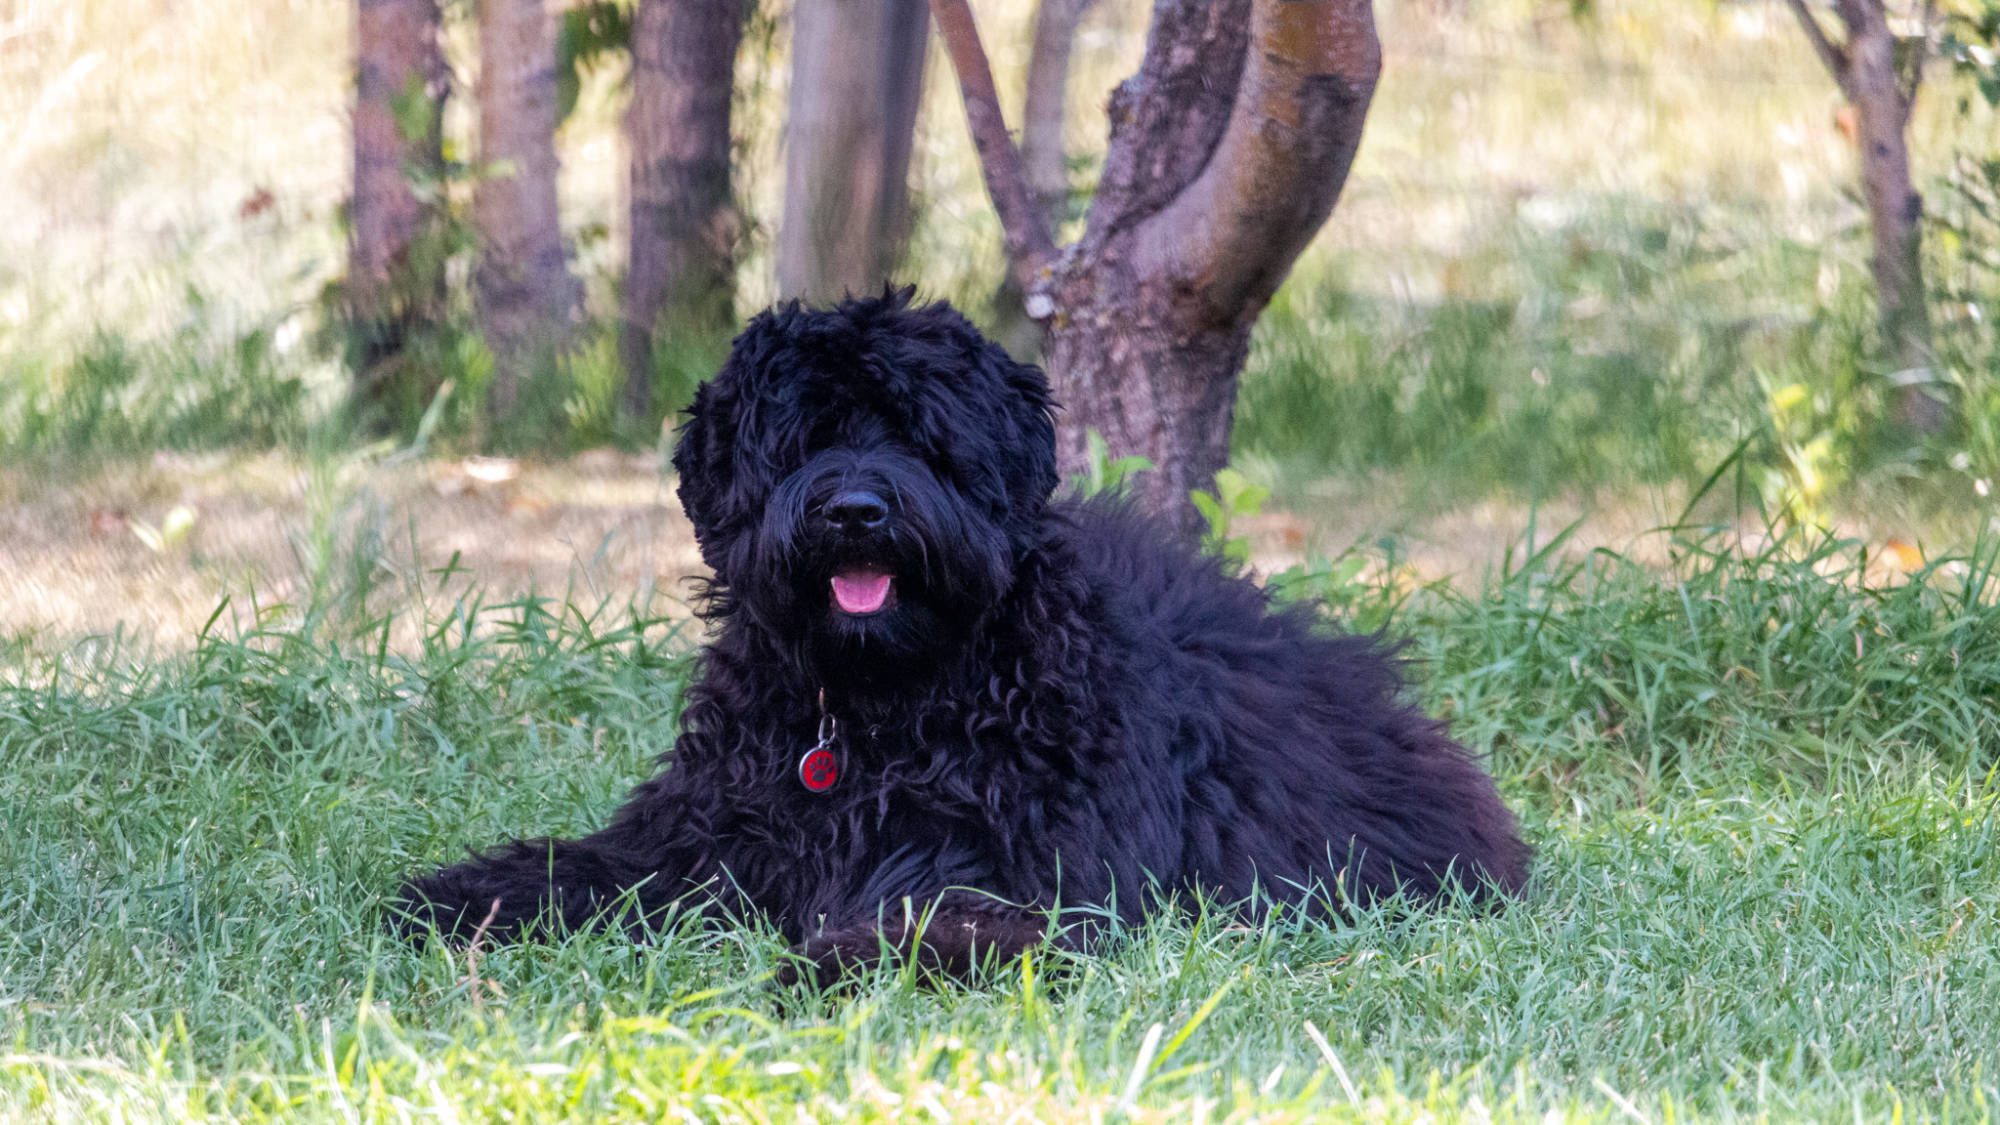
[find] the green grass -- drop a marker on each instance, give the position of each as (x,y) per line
(194,389)
(1621,345)
(1762,790)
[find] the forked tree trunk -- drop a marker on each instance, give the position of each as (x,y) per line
(857,74)
(1228,150)
(395,266)
(1883,90)
(681,279)
(528,302)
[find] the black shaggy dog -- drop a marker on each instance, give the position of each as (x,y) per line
(934,690)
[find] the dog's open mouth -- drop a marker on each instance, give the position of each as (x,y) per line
(862,590)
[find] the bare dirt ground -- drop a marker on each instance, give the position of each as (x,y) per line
(152,548)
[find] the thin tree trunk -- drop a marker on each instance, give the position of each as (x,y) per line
(1044,157)
(1045,106)
(1882,93)
(681,277)
(1895,210)
(395,283)
(1228,151)
(528,302)
(857,73)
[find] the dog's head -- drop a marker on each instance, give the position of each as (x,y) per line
(863,479)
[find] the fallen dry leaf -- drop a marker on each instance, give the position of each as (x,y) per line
(491,470)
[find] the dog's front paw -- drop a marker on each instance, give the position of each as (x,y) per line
(443,906)
(826,960)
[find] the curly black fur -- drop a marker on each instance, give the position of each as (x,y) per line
(1057,705)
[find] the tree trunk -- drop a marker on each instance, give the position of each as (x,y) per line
(1874,86)
(1044,110)
(1125,364)
(528,302)
(857,73)
(395,280)
(1124,361)
(1228,151)
(1882,93)
(681,279)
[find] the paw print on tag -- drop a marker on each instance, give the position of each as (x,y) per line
(818,770)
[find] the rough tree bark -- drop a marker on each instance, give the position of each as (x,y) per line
(857,73)
(1883,92)
(395,285)
(527,301)
(1228,150)
(681,277)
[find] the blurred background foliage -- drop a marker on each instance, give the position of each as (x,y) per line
(1585,247)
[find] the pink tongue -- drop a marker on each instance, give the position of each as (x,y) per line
(860,591)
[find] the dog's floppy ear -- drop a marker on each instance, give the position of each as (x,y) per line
(698,464)
(1031,455)
(712,489)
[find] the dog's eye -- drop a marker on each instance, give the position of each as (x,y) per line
(823,434)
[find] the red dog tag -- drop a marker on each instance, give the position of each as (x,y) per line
(819,769)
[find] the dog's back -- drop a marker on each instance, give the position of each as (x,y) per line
(1292,739)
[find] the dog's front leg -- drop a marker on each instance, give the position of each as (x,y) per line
(524,887)
(957,936)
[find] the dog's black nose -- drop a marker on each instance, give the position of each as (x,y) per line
(857,511)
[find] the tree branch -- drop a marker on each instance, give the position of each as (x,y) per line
(1167,118)
(1834,58)
(1031,250)
(1229,239)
